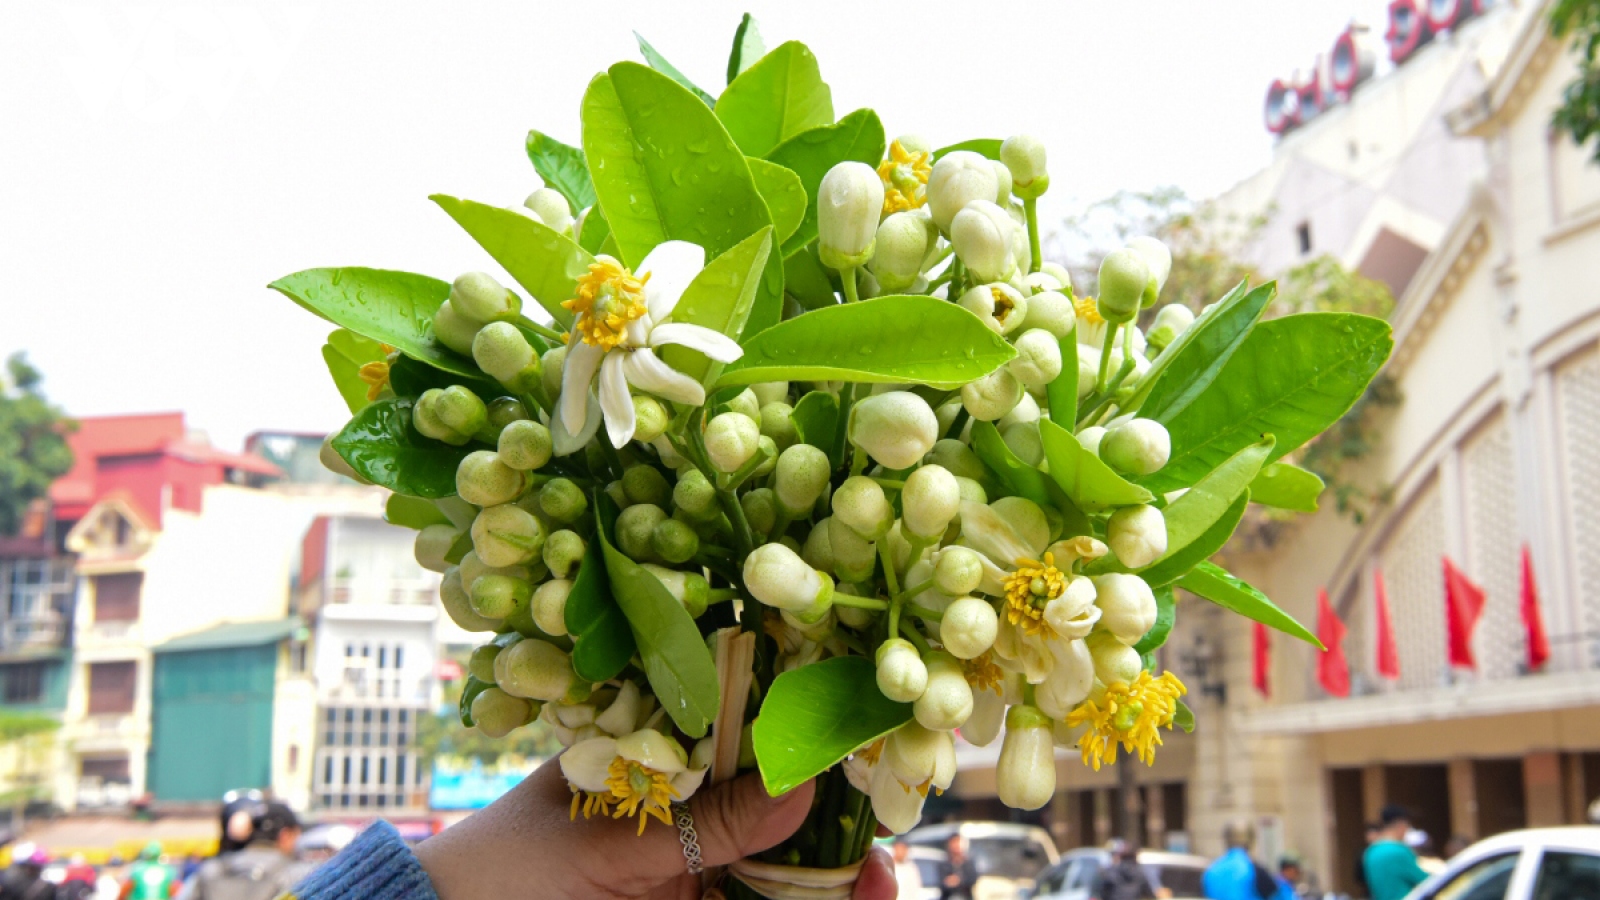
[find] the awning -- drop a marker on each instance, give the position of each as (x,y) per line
(234,634)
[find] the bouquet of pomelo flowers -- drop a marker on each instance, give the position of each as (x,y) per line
(801,458)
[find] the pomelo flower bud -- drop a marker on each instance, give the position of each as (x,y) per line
(1024,156)
(760,510)
(1123,278)
(458,604)
(902,676)
(552,362)
(431,545)
(947,700)
(1092,437)
(771,392)
(861,504)
(333,462)
(1171,322)
(674,541)
(958,179)
(1137,446)
(479,299)
(929,501)
(1002,176)
(802,473)
(551,208)
(1114,661)
(767,452)
(957,570)
(992,396)
(777,422)
(500,350)
(524,444)
(1053,312)
(450,414)
(535,669)
(694,496)
(848,204)
(650,418)
(646,484)
(497,713)
(958,458)
(635,527)
(1038,359)
(562,500)
(1027,412)
(1001,306)
(454,330)
(853,556)
(895,428)
(982,233)
(968,628)
(1158,259)
(498,596)
(902,244)
(550,606)
(1024,440)
(563,550)
(483,480)
(480,664)
(777,576)
(731,439)
(688,588)
(1041,281)
(1138,535)
(473,568)
(1070,679)
(506,535)
(817,551)
(1025,776)
(746,403)
(1127,606)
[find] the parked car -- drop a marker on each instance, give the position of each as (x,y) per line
(933,864)
(1175,875)
(1008,856)
(1535,864)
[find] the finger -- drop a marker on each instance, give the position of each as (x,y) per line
(738,818)
(876,881)
(883,830)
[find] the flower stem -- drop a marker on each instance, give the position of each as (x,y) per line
(889,483)
(922,612)
(915,637)
(1030,207)
(1105,356)
(848,276)
(541,330)
(721,595)
(847,396)
(914,590)
(853,602)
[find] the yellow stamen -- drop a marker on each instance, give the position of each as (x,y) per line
(905,178)
(639,791)
(1088,310)
(870,753)
(609,297)
(590,803)
(1028,589)
(376,373)
(982,674)
(1003,304)
(1129,714)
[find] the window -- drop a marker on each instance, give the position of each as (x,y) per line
(294,758)
(1302,235)
(24,683)
(116,596)
(1568,875)
(1486,879)
(1081,876)
(111,687)
(109,769)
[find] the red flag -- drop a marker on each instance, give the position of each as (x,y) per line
(1388,652)
(1263,660)
(1532,618)
(1463,606)
(1333,670)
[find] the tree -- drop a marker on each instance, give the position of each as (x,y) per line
(1579,112)
(33,446)
(24,756)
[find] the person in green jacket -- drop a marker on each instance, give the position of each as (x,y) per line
(1391,866)
(150,878)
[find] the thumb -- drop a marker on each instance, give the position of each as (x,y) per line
(738,818)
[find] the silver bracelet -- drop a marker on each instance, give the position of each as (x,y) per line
(687,837)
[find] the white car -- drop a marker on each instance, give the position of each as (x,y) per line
(1536,864)
(1007,856)
(1174,875)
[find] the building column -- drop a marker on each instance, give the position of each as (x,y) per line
(1374,792)
(1463,799)
(1541,780)
(1576,792)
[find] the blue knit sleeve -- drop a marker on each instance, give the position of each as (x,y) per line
(376,866)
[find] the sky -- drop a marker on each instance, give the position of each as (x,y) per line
(160,163)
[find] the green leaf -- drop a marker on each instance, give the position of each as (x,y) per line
(780,96)
(395,308)
(1291,378)
(469,693)
(816,421)
(562,168)
(816,715)
(1179,560)
(1185,369)
(380,444)
(895,339)
(1166,616)
(806,280)
(660,64)
(1183,717)
(665,169)
(602,641)
(412,512)
(1019,477)
(345,353)
(1193,514)
(785,195)
(409,378)
(1214,583)
(595,231)
(989,147)
(1286,486)
(1062,394)
(1088,481)
(675,656)
(747,47)
(720,298)
(810,154)
(544,261)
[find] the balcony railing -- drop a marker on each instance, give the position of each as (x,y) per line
(36,603)
(383,591)
(362,685)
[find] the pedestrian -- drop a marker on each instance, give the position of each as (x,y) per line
(1293,876)
(150,879)
(1368,835)
(77,882)
(25,879)
(1236,876)
(963,871)
(1123,878)
(1390,866)
(906,874)
(263,869)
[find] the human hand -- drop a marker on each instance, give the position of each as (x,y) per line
(524,845)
